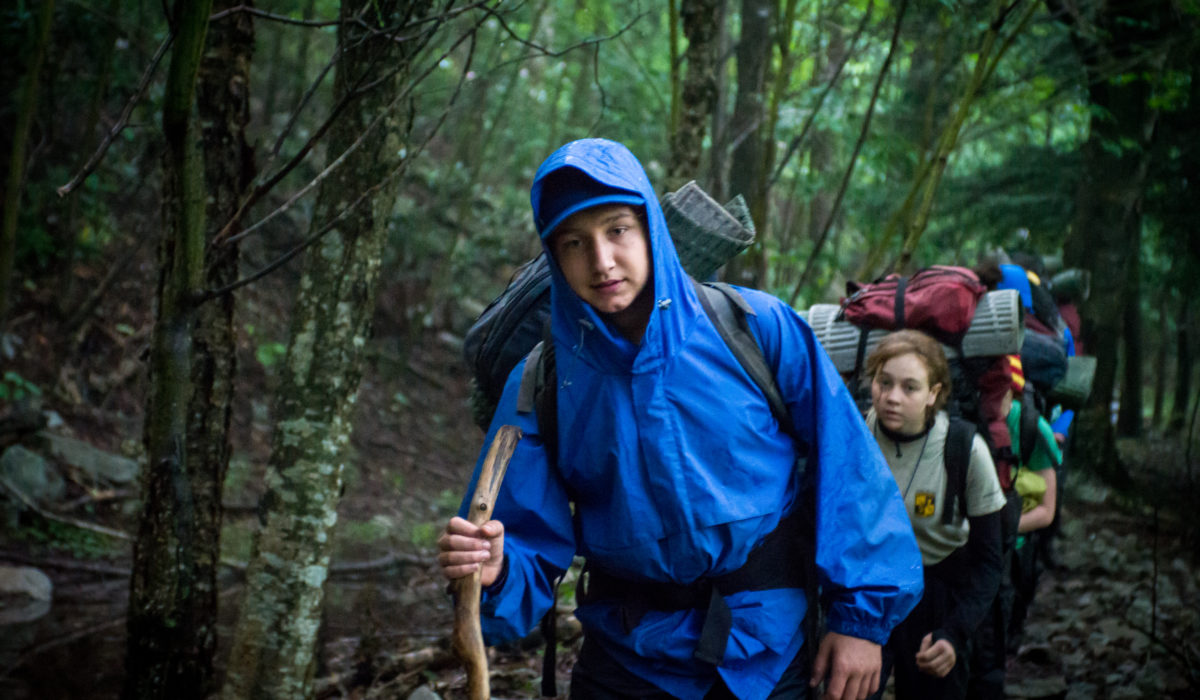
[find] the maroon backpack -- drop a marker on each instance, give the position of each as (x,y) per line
(939,300)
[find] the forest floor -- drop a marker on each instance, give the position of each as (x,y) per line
(1118,620)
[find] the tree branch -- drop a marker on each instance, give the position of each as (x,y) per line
(862,137)
(317,235)
(794,144)
(122,120)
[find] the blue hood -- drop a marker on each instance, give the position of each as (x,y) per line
(577,327)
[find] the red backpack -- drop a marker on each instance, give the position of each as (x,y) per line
(939,300)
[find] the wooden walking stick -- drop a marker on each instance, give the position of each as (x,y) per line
(468,636)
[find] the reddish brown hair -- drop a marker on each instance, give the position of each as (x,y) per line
(928,350)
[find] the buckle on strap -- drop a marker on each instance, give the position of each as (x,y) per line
(714,635)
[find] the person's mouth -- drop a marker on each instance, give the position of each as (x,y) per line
(607,286)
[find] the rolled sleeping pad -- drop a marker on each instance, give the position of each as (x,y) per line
(706,234)
(995,330)
(1076,385)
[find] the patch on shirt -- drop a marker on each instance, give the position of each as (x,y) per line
(924,504)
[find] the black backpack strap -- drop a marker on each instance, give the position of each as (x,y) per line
(728,310)
(957,458)
(539,393)
(900,285)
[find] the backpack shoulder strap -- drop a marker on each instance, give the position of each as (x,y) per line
(727,310)
(957,459)
(539,393)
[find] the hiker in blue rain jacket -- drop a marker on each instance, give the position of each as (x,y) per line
(679,474)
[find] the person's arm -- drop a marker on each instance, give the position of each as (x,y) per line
(536,541)
(1043,513)
(868,562)
(978,588)
(1062,425)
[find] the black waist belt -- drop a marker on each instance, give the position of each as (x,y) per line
(782,560)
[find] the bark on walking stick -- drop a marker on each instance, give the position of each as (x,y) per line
(468,636)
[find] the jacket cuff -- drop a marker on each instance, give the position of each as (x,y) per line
(869,632)
(496,586)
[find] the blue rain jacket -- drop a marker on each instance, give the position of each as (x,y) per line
(677,470)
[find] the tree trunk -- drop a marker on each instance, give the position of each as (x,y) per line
(1160,361)
(718,169)
(698,94)
(912,216)
(1183,370)
(746,128)
(171,612)
(1129,416)
(822,143)
(1106,205)
(26,106)
(275,636)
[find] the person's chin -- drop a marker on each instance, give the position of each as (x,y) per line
(609,307)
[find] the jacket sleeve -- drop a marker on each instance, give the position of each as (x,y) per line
(539,540)
(868,562)
(981,580)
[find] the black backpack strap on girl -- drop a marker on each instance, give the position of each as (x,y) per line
(957,458)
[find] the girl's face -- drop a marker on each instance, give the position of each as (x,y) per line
(901,394)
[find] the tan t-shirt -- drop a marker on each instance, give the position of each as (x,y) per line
(923,486)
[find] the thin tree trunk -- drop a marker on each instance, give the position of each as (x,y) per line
(1160,361)
(275,637)
(746,129)
(1106,206)
(14,182)
(170,611)
(1129,416)
(1183,369)
(862,137)
(913,215)
(698,93)
(718,174)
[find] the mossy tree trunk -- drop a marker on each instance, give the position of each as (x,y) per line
(697,91)
(274,641)
(172,614)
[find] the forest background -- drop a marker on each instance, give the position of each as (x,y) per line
(241,244)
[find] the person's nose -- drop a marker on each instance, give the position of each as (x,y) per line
(602,255)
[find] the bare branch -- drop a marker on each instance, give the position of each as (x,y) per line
(370,192)
(798,139)
(122,120)
(862,137)
(225,236)
(263,14)
(555,54)
(81,524)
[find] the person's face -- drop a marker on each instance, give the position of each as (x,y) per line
(901,394)
(604,254)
